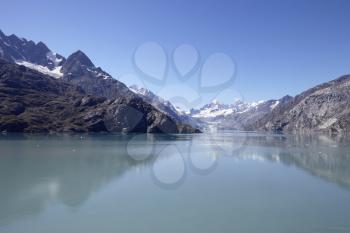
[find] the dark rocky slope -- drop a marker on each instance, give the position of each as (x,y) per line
(33,102)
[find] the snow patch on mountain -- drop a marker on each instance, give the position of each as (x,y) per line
(139,90)
(54,58)
(99,73)
(56,72)
(7,44)
(328,123)
(275,105)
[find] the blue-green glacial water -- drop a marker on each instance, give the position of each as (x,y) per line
(220,182)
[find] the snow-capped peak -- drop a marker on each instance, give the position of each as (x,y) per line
(215,109)
(215,101)
(139,90)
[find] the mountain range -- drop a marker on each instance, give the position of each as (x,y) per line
(324,108)
(42,91)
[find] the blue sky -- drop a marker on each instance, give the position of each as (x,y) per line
(279,47)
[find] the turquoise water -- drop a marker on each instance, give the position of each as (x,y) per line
(220,182)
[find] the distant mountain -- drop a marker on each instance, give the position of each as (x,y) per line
(33,102)
(215,109)
(247,119)
(231,116)
(164,105)
(157,101)
(78,70)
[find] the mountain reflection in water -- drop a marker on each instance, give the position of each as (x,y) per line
(36,170)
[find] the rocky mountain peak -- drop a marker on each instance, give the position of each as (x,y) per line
(214,104)
(30,54)
(286,98)
(42,48)
(81,58)
(13,37)
(77,63)
(2,35)
(140,90)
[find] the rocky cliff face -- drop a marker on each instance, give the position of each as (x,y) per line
(325,107)
(33,102)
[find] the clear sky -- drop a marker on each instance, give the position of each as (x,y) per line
(279,47)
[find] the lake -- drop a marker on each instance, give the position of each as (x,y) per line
(210,182)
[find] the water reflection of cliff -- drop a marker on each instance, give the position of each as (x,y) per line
(324,156)
(37,170)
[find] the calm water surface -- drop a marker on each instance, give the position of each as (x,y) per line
(220,182)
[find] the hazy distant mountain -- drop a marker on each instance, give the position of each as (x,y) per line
(216,110)
(164,105)
(247,119)
(232,116)
(157,101)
